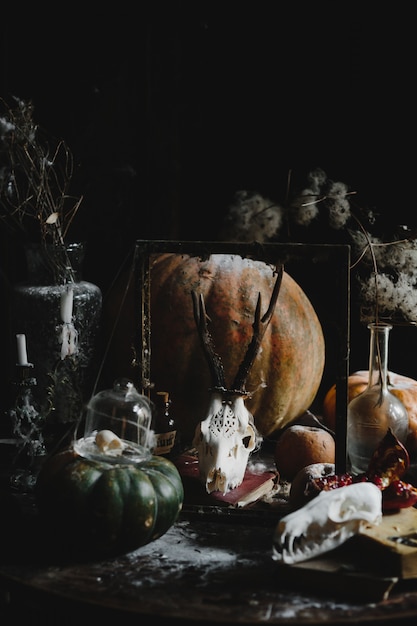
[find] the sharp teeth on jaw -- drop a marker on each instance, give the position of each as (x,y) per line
(292,547)
(300,546)
(299,540)
(285,542)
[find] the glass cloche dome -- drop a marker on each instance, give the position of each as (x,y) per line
(118,426)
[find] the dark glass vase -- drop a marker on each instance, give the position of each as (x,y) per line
(60,315)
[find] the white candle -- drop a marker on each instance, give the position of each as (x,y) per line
(67,299)
(22,357)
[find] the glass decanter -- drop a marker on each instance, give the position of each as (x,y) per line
(376,409)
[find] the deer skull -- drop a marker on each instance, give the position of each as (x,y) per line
(224,441)
(326,522)
(227,436)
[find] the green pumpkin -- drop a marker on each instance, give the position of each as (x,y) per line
(104,508)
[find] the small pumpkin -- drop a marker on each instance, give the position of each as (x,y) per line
(287,372)
(402,387)
(105,508)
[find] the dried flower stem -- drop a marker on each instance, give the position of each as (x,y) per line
(34,178)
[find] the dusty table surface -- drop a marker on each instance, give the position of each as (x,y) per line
(211,566)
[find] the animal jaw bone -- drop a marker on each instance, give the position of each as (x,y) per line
(227,436)
(326,522)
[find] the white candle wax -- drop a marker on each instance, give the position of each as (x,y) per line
(67,299)
(22,357)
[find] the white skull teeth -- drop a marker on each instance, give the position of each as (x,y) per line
(292,549)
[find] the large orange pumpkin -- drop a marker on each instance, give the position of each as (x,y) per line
(288,370)
(401,386)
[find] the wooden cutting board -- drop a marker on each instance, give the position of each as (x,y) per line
(393,543)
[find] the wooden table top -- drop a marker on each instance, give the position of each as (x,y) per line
(212,566)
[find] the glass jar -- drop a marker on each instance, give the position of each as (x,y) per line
(376,410)
(167,436)
(62,340)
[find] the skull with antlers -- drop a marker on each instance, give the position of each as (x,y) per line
(227,436)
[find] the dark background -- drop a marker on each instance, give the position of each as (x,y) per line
(171,107)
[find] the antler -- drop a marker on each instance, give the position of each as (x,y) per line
(259,327)
(213,359)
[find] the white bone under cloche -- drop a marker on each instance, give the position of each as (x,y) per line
(108,441)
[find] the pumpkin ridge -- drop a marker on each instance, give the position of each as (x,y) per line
(102,508)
